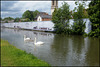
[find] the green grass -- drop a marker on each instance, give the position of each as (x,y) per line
(11,56)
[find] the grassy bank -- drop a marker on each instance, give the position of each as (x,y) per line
(11,56)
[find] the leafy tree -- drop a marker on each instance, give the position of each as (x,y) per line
(55,16)
(61,18)
(28,14)
(8,18)
(35,13)
(85,14)
(94,16)
(78,26)
(17,19)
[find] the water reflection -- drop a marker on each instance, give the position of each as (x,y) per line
(58,50)
(92,57)
(74,50)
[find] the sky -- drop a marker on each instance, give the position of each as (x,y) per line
(17,8)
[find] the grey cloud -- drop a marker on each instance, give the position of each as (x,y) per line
(16,9)
(14,15)
(5,5)
(6,11)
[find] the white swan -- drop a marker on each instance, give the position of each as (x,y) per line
(38,43)
(26,39)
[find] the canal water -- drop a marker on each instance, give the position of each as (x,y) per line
(57,50)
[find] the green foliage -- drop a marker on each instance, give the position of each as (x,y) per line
(35,13)
(8,18)
(79,26)
(85,14)
(61,18)
(21,20)
(59,28)
(30,15)
(17,19)
(95,33)
(54,16)
(81,10)
(11,56)
(94,16)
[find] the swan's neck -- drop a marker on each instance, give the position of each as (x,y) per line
(35,40)
(24,37)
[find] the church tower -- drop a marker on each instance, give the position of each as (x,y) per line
(54,5)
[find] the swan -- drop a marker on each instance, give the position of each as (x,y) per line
(38,43)
(26,39)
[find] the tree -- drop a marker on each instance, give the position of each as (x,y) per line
(35,13)
(55,17)
(8,18)
(61,18)
(78,26)
(28,14)
(17,19)
(94,16)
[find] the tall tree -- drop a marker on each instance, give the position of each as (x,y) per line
(94,16)
(78,26)
(28,14)
(54,16)
(61,18)
(35,13)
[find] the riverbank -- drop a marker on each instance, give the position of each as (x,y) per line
(11,56)
(28,29)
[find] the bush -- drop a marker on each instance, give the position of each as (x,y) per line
(94,16)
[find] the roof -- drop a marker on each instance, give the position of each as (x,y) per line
(43,13)
(44,16)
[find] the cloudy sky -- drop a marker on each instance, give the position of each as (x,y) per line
(17,8)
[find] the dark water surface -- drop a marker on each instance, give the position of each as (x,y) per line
(58,50)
